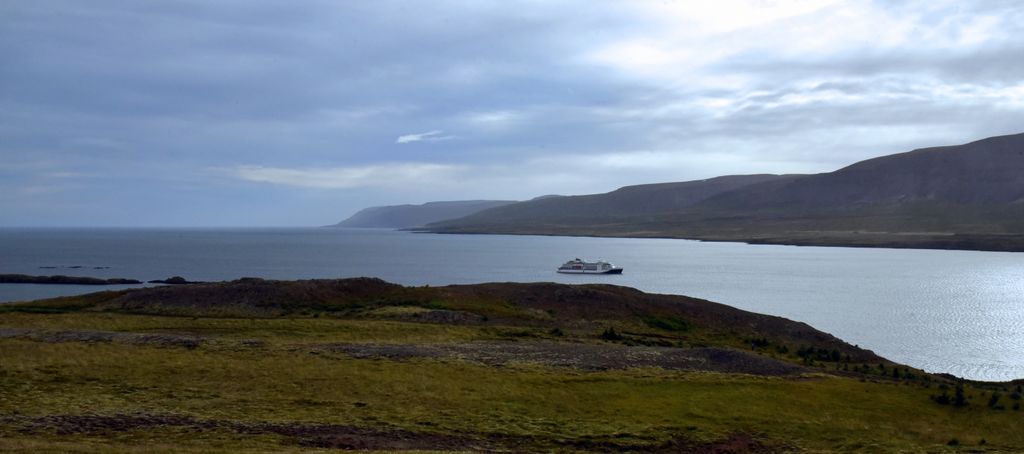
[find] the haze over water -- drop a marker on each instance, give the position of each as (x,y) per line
(959,312)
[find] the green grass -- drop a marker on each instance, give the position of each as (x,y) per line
(666,323)
(276,383)
(821,413)
(283,330)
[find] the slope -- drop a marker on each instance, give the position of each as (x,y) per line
(625,202)
(956,197)
(405,216)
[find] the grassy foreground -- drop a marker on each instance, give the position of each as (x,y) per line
(107,374)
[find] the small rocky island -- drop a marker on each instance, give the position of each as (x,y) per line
(175,280)
(61,279)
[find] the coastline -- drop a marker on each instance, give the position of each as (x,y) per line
(64,280)
(363,364)
(848,239)
(810,284)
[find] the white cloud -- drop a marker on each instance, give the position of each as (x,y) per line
(429,136)
(354,115)
(408,175)
(66,174)
(42,190)
(682,37)
(96,143)
(728,15)
(646,58)
(493,117)
(685,42)
(494,121)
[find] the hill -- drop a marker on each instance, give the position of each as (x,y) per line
(361,364)
(406,216)
(541,305)
(956,197)
(623,203)
(985,173)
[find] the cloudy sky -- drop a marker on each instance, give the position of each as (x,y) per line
(253,113)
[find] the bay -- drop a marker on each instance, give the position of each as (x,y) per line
(960,312)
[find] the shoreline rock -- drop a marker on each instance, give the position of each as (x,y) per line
(174,280)
(63,280)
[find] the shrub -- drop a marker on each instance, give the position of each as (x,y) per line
(994,400)
(759,342)
(520,333)
(666,323)
(810,354)
(959,399)
(611,335)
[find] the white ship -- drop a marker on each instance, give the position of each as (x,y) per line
(578,266)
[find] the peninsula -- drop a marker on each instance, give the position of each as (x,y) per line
(408,216)
(954,197)
(362,364)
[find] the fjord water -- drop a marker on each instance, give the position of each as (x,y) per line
(960,312)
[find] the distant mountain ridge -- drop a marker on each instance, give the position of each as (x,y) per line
(408,216)
(985,172)
(638,200)
(967,196)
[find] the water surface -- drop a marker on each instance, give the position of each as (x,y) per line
(960,312)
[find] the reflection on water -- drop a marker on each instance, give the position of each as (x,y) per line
(960,312)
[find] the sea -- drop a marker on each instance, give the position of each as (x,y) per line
(957,312)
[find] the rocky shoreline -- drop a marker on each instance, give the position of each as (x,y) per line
(63,280)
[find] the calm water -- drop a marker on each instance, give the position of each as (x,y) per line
(960,312)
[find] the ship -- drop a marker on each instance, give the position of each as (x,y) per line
(577,266)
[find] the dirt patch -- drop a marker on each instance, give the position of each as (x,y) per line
(579,356)
(444,317)
(346,437)
(737,443)
(160,340)
(311,435)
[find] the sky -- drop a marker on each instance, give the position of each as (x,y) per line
(260,113)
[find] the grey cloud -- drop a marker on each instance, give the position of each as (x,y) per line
(149,94)
(1002,65)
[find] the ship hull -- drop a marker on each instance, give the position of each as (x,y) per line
(611,271)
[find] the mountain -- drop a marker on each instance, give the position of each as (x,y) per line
(988,172)
(967,196)
(406,216)
(625,202)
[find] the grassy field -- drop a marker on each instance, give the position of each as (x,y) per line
(273,384)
